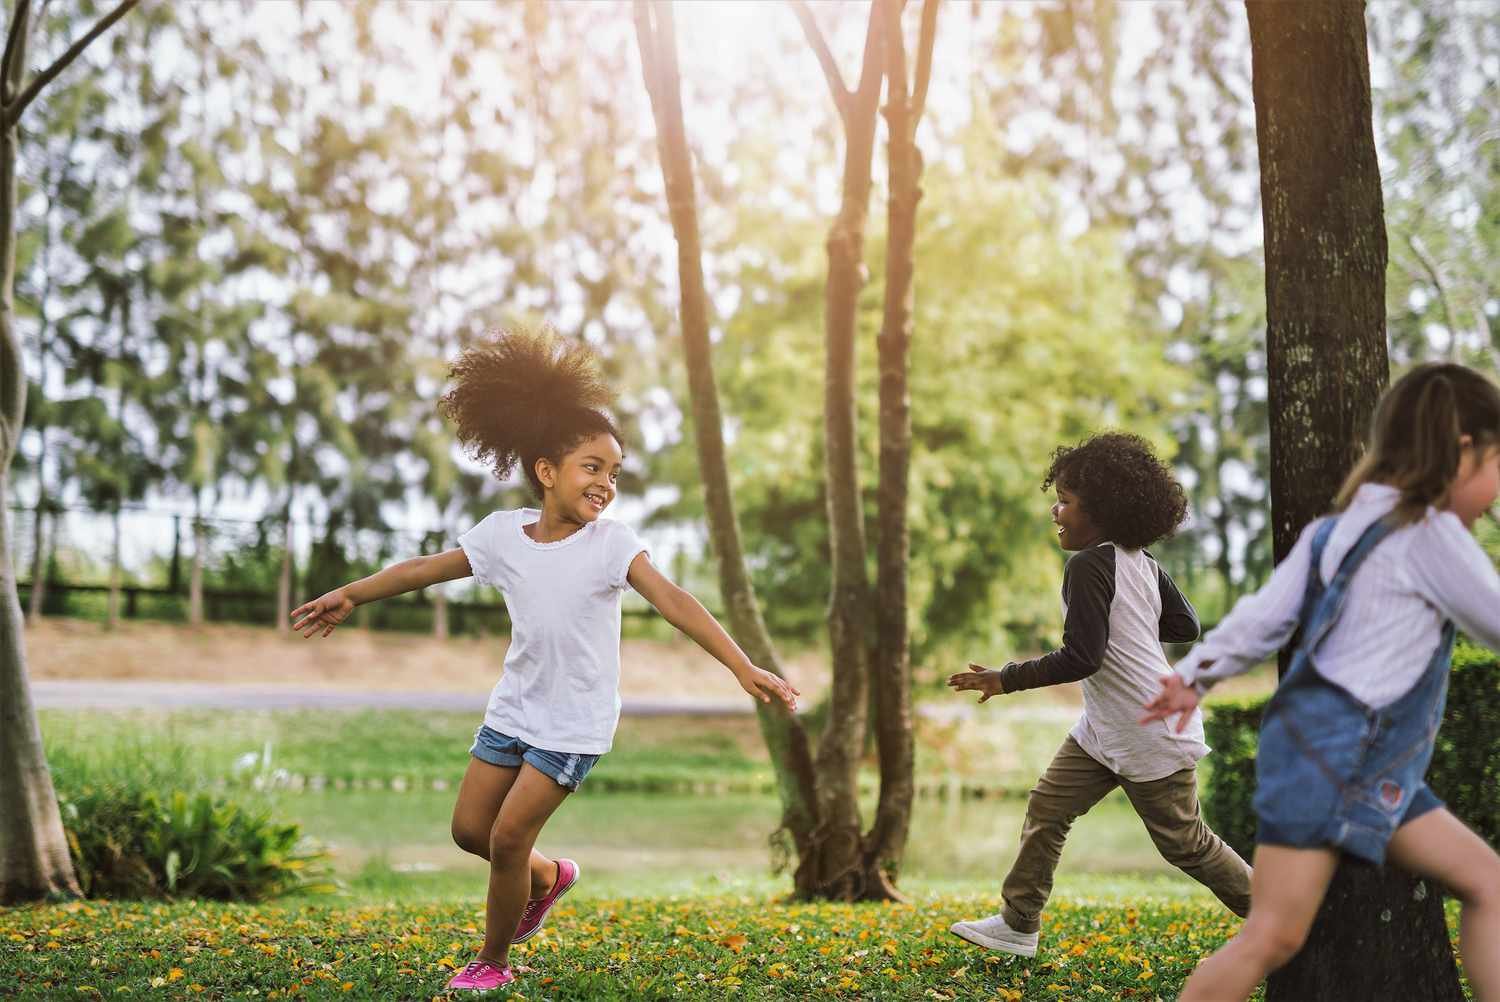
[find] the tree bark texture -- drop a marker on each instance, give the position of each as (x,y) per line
(1379,933)
(34,858)
(786,740)
(890,661)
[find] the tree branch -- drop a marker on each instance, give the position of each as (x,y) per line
(645,37)
(872,71)
(14,107)
(814,34)
(18,25)
(924,59)
(895,51)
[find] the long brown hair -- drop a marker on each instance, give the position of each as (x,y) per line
(1414,435)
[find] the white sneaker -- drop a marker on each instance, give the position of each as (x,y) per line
(993,934)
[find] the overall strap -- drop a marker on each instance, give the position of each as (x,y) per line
(1328,600)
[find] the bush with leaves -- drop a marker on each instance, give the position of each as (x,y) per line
(1465,768)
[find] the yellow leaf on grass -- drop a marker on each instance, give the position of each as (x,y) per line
(736,942)
(175,974)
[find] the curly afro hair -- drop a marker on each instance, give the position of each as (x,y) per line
(1122,486)
(522,395)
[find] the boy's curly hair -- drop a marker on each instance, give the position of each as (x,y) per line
(523,395)
(1125,490)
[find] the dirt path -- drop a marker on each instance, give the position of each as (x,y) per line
(353,664)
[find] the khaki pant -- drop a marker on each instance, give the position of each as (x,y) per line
(1075,782)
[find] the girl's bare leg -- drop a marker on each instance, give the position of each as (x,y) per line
(1438,845)
(480,795)
(1286,887)
(531,800)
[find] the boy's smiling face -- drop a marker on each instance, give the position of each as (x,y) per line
(1075,531)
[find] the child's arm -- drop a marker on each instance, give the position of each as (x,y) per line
(1449,569)
(1088,589)
(1258,625)
(327,611)
(1179,620)
(686,613)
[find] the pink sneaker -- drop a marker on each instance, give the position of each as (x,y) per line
(537,908)
(482,976)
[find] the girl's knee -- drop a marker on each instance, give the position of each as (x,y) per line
(1481,886)
(506,842)
(1274,942)
(469,840)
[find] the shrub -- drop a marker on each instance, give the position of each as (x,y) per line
(144,826)
(1465,769)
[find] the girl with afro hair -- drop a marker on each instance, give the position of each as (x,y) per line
(1114,498)
(533,400)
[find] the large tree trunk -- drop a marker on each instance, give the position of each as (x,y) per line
(791,755)
(890,661)
(34,858)
(1379,933)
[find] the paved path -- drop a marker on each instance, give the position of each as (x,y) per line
(115,695)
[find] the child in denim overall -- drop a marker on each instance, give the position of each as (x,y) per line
(1377,589)
(533,400)
(1114,497)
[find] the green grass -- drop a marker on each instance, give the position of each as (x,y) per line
(1095,945)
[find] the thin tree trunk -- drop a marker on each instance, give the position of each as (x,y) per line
(195,573)
(39,560)
(113,619)
(891,658)
(440,613)
(284,579)
(786,740)
(34,858)
(1380,934)
(840,871)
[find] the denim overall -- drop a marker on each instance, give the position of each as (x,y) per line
(1332,771)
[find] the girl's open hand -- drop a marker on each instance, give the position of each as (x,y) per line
(322,613)
(978,679)
(763,685)
(1176,697)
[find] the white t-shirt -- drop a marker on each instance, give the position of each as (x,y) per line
(561,686)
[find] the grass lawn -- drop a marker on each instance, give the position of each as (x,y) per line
(1104,938)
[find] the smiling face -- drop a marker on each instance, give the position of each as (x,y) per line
(1477,483)
(1075,531)
(582,485)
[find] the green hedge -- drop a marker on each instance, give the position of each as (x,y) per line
(1465,768)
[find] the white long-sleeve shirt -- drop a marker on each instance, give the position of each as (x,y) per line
(1420,575)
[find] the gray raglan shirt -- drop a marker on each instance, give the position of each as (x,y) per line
(1118,607)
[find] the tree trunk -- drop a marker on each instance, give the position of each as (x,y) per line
(890,661)
(440,613)
(113,619)
(840,865)
(38,557)
(34,858)
(1379,934)
(195,574)
(791,755)
(284,579)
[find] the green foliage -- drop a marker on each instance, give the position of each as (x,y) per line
(132,842)
(1465,769)
(142,821)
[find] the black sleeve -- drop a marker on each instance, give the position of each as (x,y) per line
(1088,590)
(1179,620)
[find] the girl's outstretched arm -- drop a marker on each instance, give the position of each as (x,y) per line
(327,611)
(686,613)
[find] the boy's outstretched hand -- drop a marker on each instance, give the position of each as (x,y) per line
(763,685)
(1176,697)
(322,613)
(978,679)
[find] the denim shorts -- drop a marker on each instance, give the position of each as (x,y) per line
(566,769)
